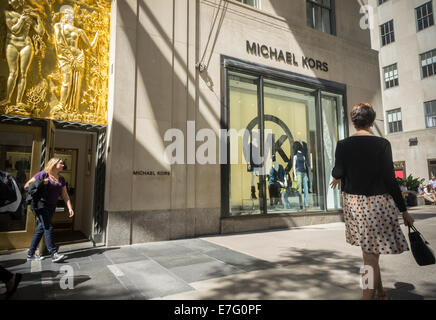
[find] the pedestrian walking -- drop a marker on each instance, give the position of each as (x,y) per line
(54,186)
(371,194)
(10,197)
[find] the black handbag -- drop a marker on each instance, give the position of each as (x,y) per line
(421,250)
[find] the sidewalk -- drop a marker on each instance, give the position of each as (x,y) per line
(312,262)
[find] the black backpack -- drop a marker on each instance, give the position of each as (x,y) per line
(8,194)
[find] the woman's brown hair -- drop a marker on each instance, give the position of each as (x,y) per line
(363,115)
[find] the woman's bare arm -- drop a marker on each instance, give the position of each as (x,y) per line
(67,200)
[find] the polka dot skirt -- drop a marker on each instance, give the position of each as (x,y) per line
(371,222)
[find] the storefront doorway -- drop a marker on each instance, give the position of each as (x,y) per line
(77,150)
(25,146)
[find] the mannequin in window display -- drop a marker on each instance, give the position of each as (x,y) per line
(276,182)
(252,157)
(301,173)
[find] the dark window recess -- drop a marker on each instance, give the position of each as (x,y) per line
(391,76)
(428,63)
(387,32)
(320,15)
(424,16)
(395,123)
(430,113)
(381,1)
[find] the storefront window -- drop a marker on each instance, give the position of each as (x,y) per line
(244,168)
(282,146)
(333,130)
(289,115)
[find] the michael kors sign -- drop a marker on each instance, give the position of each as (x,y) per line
(286,57)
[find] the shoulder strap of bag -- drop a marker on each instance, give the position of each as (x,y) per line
(416,230)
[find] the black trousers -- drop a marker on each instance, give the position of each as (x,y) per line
(5,275)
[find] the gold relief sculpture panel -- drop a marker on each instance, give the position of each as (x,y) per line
(54,59)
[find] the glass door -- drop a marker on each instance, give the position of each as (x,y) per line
(61,219)
(291,148)
(20,154)
(246,169)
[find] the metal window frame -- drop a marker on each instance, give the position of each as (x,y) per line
(229,64)
(394,123)
(428,167)
(332,14)
(387,35)
(427,16)
(386,70)
(428,115)
(432,65)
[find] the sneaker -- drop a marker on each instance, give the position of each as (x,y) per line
(34,257)
(56,257)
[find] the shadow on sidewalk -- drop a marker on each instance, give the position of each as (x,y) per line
(83,253)
(300,274)
(12,263)
(402,291)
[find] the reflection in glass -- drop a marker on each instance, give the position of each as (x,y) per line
(245,169)
(16,158)
(291,161)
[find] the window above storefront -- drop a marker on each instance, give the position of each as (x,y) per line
(321,15)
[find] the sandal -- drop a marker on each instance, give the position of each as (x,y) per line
(17,280)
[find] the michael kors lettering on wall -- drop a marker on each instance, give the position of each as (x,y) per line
(286,57)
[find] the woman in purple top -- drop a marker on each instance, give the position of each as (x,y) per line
(55,185)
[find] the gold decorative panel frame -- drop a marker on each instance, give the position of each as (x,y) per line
(54,59)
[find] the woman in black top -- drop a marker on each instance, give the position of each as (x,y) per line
(372,196)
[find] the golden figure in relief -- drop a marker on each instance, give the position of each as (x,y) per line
(71,59)
(54,59)
(19,49)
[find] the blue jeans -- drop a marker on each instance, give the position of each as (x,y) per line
(286,193)
(44,226)
(302,184)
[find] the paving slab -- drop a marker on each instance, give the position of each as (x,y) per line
(161,249)
(151,279)
(203,271)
